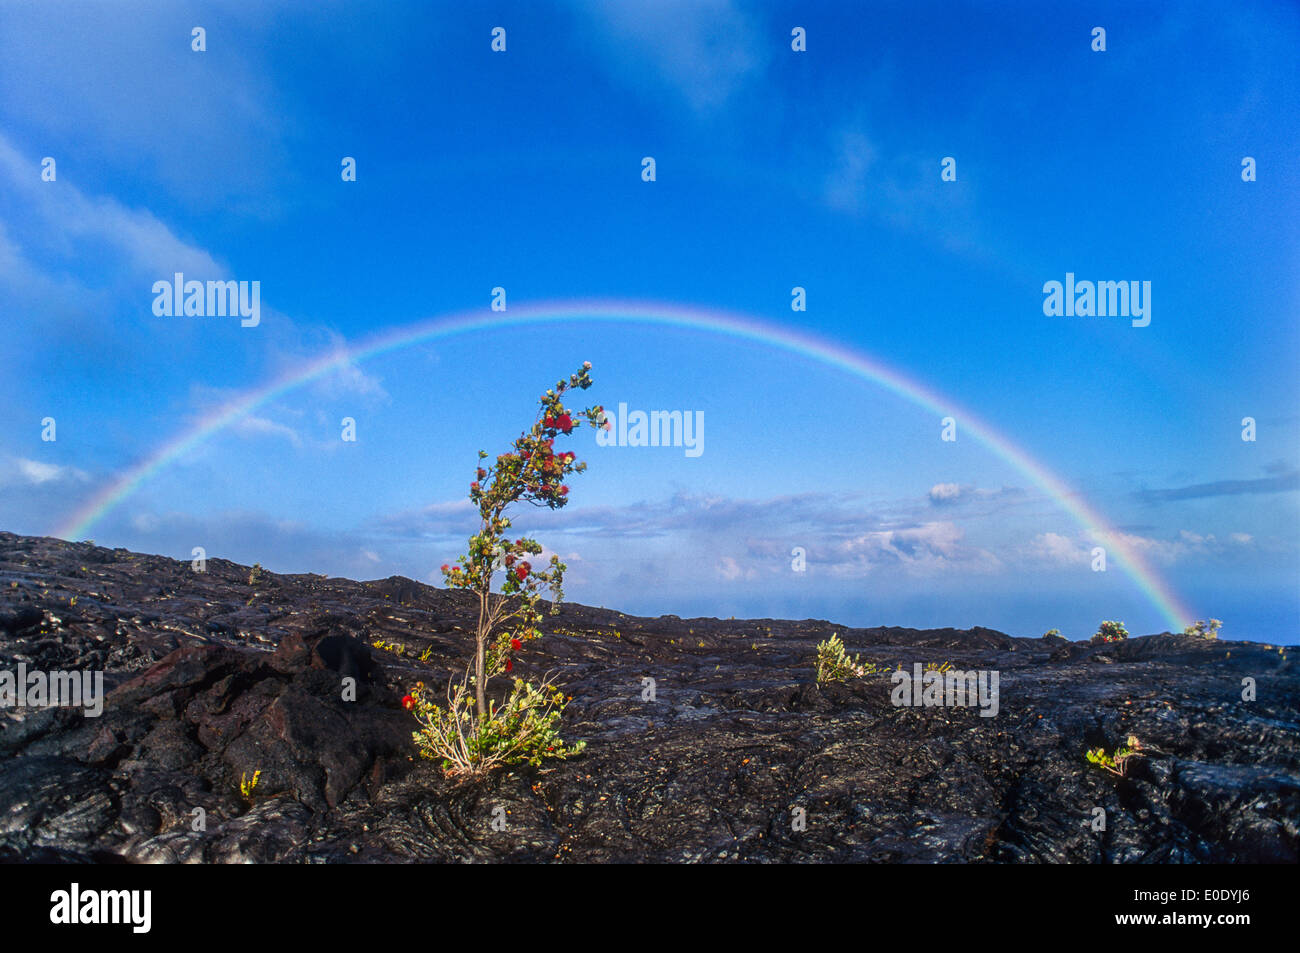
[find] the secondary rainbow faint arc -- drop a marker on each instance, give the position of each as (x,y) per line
(669,315)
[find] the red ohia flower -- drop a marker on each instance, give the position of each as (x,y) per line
(516,644)
(522,570)
(408,702)
(510,664)
(564,422)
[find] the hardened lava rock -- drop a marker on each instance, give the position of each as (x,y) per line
(218,677)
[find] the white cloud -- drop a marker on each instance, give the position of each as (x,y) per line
(448,508)
(1186,545)
(731,570)
(347,379)
(1061,550)
(944,492)
(262,427)
(1058,550)
(59,222)
(900,189)
(704,50)
(847,183)
(924,549)
(37,473)
(118,84)
(145,522)
(20,471)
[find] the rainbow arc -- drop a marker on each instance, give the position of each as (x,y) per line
(824,351)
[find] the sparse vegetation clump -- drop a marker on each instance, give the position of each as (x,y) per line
(1204,629)
(1117,763)
(255,574)
(834,664)
(1110,632)
(524,728)
(466,732)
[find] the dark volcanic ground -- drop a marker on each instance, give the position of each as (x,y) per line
(212,678)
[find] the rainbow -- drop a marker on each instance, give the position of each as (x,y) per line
(857,364)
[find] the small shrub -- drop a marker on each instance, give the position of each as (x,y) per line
(1052,634)
(524,729)
(1206,630)
(1110,632)
(255,574)
(834,664)
(1116,764)
(247,785)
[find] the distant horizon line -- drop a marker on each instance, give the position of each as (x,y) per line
(629,615)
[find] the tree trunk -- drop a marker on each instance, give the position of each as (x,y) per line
(480,683)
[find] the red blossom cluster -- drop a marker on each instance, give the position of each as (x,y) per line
(562,423)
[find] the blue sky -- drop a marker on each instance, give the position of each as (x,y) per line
(819,169)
